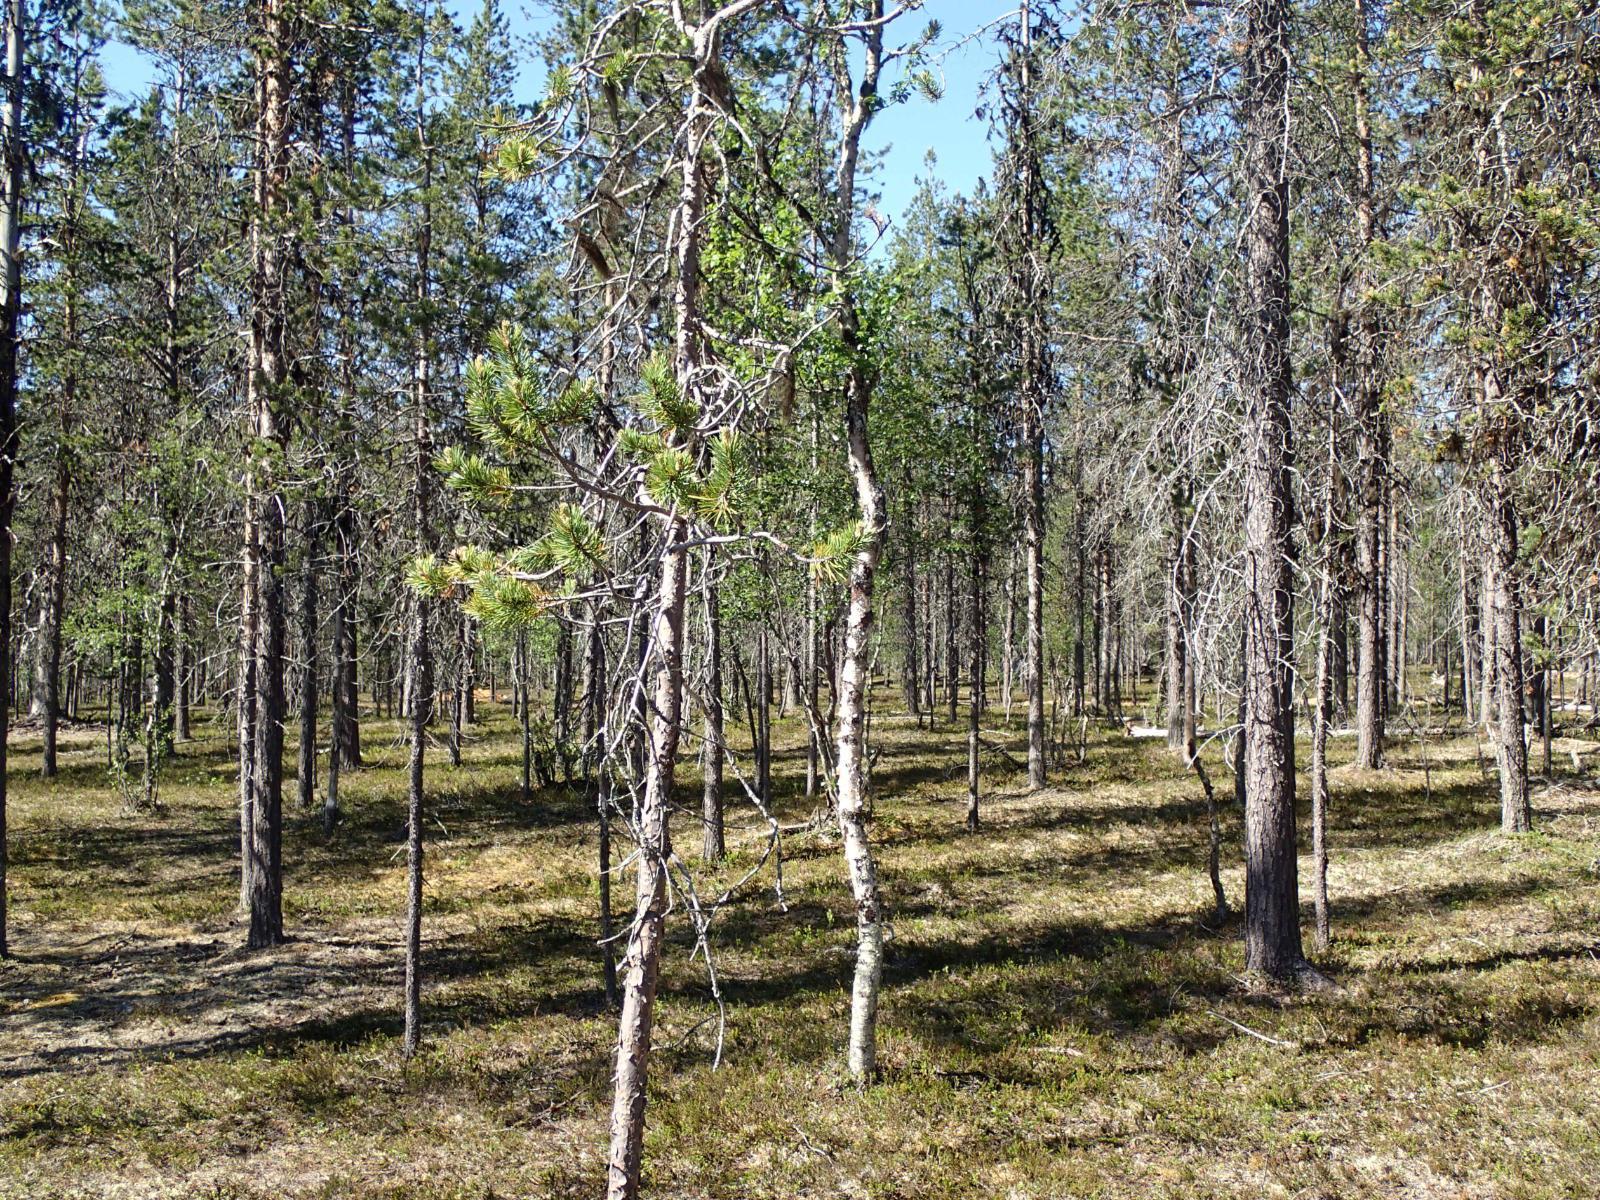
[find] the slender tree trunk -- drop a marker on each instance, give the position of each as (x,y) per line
(1323,711)
(951,629)
(422,660)
(763,731)
(642,963)
(1488,657)
(265,532)
(14,167)
(1034,386)
(1469,623)
(850,754)
(712,848)
(421,656)
(185,668)
(1511,746)
(1177,636)
(1371,448)
(336,725)
(348,684)
(913,686)
(1080,593)
(47,664)
(974,688)
(330,794)
(308,663)
(598,773)
(1272,902)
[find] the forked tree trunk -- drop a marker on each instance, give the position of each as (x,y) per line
(641,965)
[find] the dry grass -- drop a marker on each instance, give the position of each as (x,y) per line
(1057,1021)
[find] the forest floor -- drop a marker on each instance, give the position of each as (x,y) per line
(1062,1018)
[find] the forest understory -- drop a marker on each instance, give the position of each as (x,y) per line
(1062,1017)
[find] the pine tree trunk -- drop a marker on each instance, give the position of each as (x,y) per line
(47,664)
(1371,453)
(421,655)
(308,663)
(913,684)
(1079,594)
(1322,712)
(763,715)
(337,724)
(423,673)
(264,536)
(974,689)
(597,772)
(642,963)
(1488,658)
(1470,667)
(952,683)
(712,848)
(1177,637)
(1272,901)
(1511,746)
(14,167)
(641,967)
(1033,398)
(184,668)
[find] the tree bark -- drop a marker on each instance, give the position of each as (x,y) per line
(1511,745)
(264,536)
(850,752)
(47,663)
(642,963)
(307,779)
(14,165)
(1272,902)
(422,692)
(712,848)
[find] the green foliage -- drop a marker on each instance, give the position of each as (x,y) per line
(484,484)
(832,555)
(662,400)
(572,544)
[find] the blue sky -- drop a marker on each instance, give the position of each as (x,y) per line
(906,132)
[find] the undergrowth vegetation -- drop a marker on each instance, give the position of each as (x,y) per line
(1062,1017)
